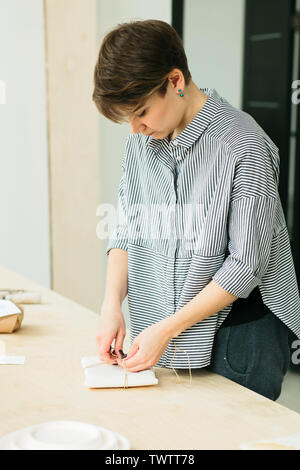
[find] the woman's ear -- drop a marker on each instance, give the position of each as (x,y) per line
(176,79)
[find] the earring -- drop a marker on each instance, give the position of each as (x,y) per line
(181,94)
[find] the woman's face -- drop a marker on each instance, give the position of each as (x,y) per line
(159,116)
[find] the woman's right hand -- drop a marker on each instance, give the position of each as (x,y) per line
(111,327)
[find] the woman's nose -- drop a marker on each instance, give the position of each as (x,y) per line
(137,126)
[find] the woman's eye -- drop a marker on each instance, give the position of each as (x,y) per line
(142,114)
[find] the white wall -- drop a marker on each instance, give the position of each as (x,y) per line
(24,200)
(214,44)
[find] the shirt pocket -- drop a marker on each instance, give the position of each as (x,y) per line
(241,348)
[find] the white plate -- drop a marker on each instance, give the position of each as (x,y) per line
(291,442)
(64,435)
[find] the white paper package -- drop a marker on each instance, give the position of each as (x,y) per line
(98,374)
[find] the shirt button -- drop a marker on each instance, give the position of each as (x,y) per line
(175,142)
(179,157)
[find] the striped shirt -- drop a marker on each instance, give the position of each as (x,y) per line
(203,206)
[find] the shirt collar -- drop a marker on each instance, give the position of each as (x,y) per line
(196,127)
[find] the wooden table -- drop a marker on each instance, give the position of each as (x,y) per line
(211,413)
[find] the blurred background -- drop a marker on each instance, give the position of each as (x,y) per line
(59,159)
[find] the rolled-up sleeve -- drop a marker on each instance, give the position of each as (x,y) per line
(251,221)
(119,236)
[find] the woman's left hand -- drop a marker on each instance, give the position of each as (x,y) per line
(148,347)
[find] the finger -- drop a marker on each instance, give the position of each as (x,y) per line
(133,350)
(119,344)
(136,360)
(106,357)
(104,351)
(138,368)
(113,356)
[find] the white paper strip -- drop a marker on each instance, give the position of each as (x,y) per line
(12,359)
(8,308)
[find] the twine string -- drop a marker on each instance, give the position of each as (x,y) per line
(125,375)
(125,385)
(188,358)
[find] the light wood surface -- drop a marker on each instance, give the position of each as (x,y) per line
(211,413)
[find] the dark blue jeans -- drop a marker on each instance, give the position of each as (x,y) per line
(255,354)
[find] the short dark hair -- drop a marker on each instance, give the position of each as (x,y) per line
(134,61)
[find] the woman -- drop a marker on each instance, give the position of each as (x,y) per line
(201,245)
